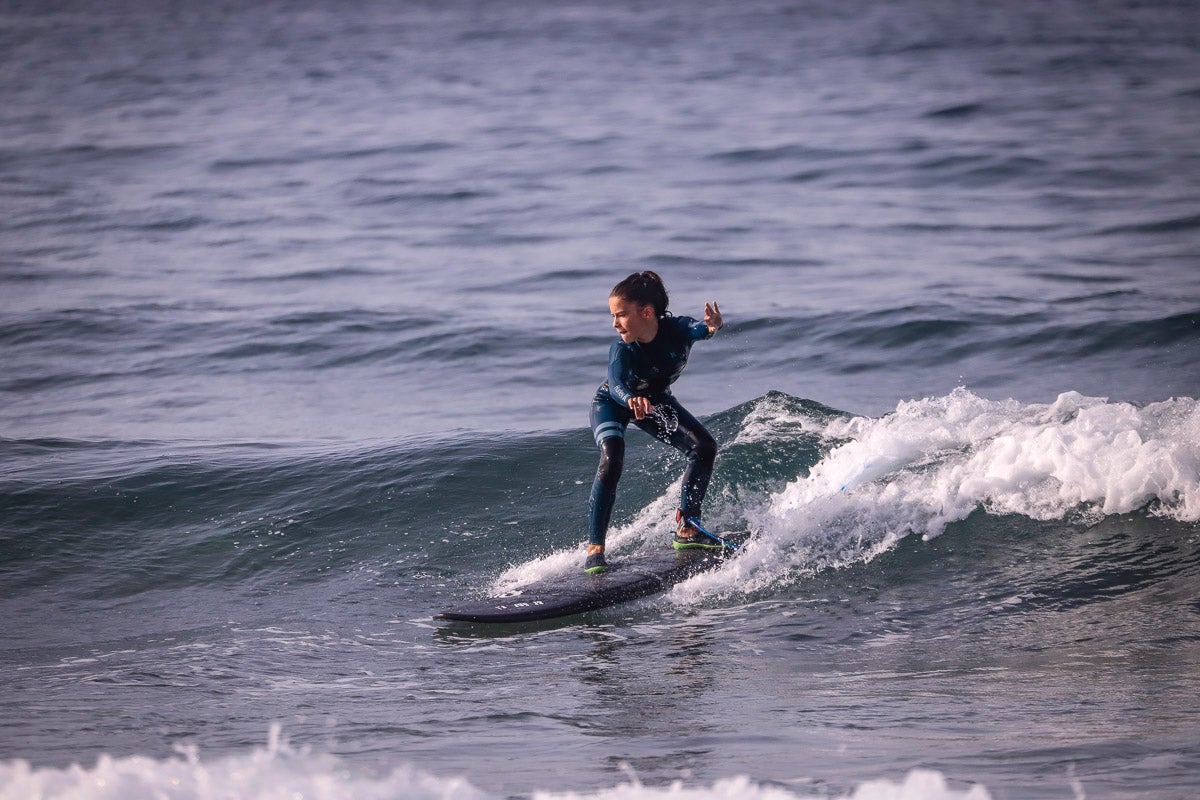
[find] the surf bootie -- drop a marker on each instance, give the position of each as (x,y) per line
(690,534)
(595,564)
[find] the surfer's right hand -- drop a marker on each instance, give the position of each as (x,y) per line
(640,406)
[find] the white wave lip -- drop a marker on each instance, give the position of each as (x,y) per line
(934,461)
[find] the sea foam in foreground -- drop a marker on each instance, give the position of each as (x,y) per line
(279,772)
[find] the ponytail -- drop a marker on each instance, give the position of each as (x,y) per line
(644,289)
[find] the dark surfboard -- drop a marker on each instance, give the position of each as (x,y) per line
(627,579)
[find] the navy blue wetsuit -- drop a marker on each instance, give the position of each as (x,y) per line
(647,370)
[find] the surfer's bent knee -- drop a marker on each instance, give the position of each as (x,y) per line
(612,460)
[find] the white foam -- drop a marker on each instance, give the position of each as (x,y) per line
(948,456)
(279,772)
(651,524)
(935,461)
(919,784)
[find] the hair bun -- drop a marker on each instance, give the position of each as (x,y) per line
(644,288)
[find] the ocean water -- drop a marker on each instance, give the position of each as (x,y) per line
(302,305)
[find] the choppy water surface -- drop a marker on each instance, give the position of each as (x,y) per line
(302,305)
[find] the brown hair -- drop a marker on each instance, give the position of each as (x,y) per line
(644,289)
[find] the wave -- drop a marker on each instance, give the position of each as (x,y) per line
(336,273)
(958,111)
(953,454)
(820,488)
(1156,227)
(180,339)
(940,461)
(932,334)
(300,157)
(279,770)
(72,156)
(421,198)
(170,515)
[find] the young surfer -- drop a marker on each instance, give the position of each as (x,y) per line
(642,365)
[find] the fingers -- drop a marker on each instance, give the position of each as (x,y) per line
(640,406)
(712,316)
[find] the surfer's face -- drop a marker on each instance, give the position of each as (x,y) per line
(634,322)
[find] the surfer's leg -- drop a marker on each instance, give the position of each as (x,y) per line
(700,447)
(604,488)
(608,427)
(673,424)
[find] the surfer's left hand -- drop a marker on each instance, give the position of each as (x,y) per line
(712,317)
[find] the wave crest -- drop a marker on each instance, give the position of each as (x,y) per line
(947,456)
(936,461)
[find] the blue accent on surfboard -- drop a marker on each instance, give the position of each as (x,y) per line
(695,523)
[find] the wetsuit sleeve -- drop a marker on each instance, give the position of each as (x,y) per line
(696,329)
(619,368)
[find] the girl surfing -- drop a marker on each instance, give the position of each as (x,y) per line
(642,365)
